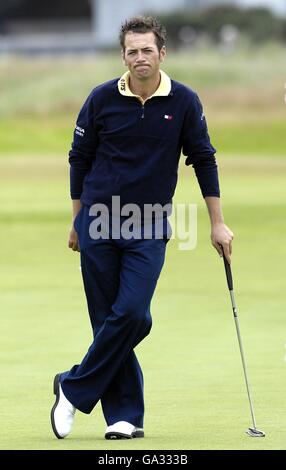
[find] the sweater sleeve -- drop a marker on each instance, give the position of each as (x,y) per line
(197,148)
(83,148)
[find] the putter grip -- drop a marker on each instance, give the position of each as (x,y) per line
(228,273)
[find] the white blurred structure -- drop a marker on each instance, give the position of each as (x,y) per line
(108,15)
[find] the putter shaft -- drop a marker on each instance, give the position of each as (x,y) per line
(254,431)
(242,355)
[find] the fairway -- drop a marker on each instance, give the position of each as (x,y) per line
(195,394)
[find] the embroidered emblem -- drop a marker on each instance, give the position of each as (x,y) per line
(168,117)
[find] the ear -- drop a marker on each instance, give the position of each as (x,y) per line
(163,53)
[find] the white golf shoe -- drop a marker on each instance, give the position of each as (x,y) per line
(123,430)
(62,413)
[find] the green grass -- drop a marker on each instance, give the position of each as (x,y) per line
(42,85)
(243,96)
(263,138)
(37,136)
(53,135)
(194,387)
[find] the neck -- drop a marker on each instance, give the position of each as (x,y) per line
(144,88)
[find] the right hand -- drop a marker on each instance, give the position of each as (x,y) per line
(222,237)
(73,240)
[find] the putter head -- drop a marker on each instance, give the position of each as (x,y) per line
(253,432)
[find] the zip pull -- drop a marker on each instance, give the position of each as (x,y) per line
(143,112)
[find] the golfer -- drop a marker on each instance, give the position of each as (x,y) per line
(127,143)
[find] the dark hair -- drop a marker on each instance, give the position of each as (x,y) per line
(144,24)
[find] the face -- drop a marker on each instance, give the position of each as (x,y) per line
(141,55)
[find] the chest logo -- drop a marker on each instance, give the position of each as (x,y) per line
(169,117)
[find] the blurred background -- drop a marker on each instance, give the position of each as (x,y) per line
(70,26)
(233,53)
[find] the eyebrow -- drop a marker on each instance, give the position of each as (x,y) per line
(141,48)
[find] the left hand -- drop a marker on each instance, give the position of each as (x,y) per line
(221,237)
(73,241)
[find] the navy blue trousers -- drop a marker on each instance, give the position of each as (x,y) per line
(119,279)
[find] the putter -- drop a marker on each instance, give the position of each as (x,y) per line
(253,432)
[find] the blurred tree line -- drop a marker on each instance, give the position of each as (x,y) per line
(223,23)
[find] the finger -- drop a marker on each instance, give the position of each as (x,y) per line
(71,244)
(218,248)
(75,245)
(71,241)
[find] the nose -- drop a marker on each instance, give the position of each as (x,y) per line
(140,57)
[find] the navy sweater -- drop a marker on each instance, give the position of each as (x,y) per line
(124,148)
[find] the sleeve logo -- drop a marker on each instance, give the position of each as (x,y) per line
(79,131)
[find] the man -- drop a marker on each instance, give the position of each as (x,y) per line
(127,142)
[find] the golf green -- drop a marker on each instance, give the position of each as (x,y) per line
(194,386)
